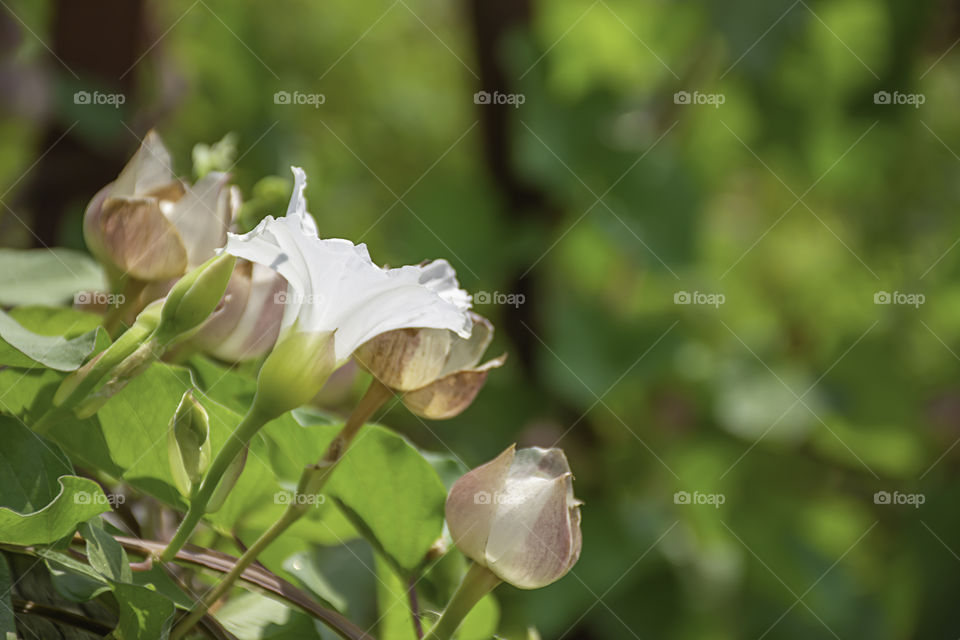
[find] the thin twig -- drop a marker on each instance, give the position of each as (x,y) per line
(223,562)
(415,608)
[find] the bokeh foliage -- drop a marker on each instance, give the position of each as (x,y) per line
(799,198)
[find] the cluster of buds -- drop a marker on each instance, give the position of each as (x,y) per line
(151,228)
(309,305)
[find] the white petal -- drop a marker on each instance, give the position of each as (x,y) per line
(531,543)
(441,278)
(335,286)
(148,169)
(471,505)
(298,202)
(466,354)
(202,217)
(259,323)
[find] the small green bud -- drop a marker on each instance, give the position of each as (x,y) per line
(188,443)
(295,370)
(194,298)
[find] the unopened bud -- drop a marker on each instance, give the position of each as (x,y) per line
(194,298)
(188,443)
(517,516)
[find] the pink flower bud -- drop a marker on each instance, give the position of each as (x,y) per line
(517,516)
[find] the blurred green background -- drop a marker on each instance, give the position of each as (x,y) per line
(786,184)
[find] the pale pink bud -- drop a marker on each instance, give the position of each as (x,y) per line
(517,516)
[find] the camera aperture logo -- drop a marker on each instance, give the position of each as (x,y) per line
(288,498)
(299,98)
(513,99)
(485,497)
(898,297)
(912,99)
(99,98)
(497,297)
(98,299)
(896,498)
(699,297)
(712,499)
(98,498)
(294,297)
(712,99)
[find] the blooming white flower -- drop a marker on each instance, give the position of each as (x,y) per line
(334,288)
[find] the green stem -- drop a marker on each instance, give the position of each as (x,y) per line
(312,481)
(291,515)
(248,427)
(478,582)
(78,386)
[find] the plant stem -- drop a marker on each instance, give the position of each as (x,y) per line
(478,582)
(248,427)
(312,481)
(291,515)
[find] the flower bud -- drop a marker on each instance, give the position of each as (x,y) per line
(247,324)
(194,297)
(517,516)
(436,369)
(406,359)
(188,444)
(148,225)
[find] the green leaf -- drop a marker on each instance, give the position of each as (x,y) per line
(72,579)
(46,276)
(144,613)
(29,467)
(251,616)
(39,501)
(304,567)
(105,554)
(20,347)
(481,623)
(385,486)
(8,626)
(393,605)
(27,393)
(127,439)
(79,500)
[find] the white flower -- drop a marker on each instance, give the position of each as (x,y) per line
(335,290)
